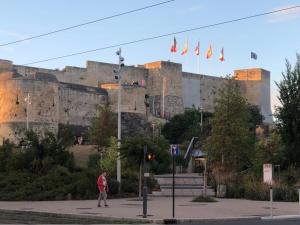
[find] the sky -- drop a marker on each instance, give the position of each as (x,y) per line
(273,38)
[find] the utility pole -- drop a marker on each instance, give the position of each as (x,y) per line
(118,77)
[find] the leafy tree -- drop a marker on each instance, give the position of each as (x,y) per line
(256,118)
(268,150)
(5,154)
(103,127)
(183,127)
(288,115)
(108,161)
(41,155)
(132,150)
(231,140)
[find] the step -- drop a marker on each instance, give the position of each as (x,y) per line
(182,192)
(196,181)
(183,187)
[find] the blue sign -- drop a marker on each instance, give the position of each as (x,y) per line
(175,150)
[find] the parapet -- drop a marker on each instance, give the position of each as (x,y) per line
(5,65)
(254,74)
(161,64)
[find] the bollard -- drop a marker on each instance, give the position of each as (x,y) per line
(271,202)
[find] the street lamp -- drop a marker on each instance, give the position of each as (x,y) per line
(118,77)
(28,102)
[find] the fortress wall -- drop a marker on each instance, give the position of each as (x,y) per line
(78,104)
(165,79)
(255,87)
(5,65)
(28,71)
(42,112)
(99,73)
(200,90)
(132,99)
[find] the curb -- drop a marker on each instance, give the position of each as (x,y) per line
(283,217)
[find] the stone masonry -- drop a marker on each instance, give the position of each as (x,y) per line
(70,96)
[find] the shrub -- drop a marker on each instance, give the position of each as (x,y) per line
(113,186)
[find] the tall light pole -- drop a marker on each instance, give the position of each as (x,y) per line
(28,102)
(118,77)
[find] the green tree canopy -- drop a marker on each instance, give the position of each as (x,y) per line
(132,150)
(103,127)
(183,127)
(231,140)
(288,114)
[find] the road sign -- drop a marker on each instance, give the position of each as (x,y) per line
(175,150)
(268,174)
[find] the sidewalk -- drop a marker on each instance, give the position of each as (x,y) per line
(159,208)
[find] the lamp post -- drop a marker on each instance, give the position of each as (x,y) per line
(28,102)
(118,77)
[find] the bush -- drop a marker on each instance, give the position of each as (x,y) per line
(285,193)
(254,190)
(204,199)
(113,186)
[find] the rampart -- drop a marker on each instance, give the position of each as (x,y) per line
(70,96)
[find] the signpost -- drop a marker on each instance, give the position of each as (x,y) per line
(268,174)
(174,152)
(145,185)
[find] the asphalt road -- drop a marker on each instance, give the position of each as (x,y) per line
(250,222)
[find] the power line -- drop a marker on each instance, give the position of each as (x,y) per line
(164,35)
(86,23)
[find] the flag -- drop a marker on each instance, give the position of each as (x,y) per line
(185,48)
(174,46)
(209,52)
(197,49)
(221,58)
(253,55)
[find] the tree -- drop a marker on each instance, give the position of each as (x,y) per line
(5,154)
(183,127)
(103,127)
(109,158)
(268,150)
(231,141)
(288,114)
(132,150)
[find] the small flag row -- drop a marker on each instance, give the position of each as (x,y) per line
(209,52)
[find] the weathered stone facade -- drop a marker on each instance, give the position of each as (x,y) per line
(70,96)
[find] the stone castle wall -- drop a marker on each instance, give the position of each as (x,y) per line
(255,86)
(70,96)
(51,103)
(200,91)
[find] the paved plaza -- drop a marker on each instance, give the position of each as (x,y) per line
(158,208)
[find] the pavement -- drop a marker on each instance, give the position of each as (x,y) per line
(159,208)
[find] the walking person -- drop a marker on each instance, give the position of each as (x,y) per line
(103,188)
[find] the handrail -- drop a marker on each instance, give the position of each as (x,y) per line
(189,147)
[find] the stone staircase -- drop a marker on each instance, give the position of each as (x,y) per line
(186,184)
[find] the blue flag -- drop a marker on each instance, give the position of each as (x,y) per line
(253,55)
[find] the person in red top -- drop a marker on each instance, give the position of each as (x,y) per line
(103,189)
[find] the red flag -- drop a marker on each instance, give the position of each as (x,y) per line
(185,48)
(209,52)
(222,58)
(197,49)
(174,46)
